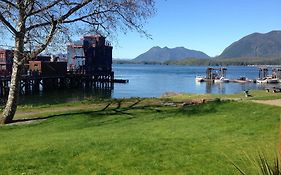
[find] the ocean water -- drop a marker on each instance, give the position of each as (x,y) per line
(153,81)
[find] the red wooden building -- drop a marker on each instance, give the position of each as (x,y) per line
(91,56)
(6,62)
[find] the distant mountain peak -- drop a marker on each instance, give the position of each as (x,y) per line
(158,54)
(156,47)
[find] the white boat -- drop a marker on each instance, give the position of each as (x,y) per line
(272,80)
(269,80)
(261,80)
(199,78)
(221,80)
(242,80)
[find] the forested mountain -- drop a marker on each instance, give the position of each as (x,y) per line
(255,45)
(158,54)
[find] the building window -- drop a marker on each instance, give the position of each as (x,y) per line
(2,57)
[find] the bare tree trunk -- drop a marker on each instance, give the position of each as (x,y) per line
(11,105)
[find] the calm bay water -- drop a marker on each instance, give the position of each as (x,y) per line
(153,81)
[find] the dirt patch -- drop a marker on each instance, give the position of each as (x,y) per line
(31,113)
(276,102)
(25,122)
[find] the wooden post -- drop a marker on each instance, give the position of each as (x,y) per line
(36,85)
(279,146)
(1,88)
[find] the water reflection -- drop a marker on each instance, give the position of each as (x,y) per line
(209,87)
(67,95)
(221,88)
(215,88)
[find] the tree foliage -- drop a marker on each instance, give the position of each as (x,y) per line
(244,61)
(41,21)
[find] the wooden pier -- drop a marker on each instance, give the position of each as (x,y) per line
(88,64)
(34,84)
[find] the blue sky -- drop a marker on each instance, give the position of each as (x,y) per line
(205,25)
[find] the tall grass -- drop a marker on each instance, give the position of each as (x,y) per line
(264,166)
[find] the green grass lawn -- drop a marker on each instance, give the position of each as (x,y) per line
(142,139)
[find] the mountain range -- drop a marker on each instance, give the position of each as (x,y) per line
(158,54)
(256,45)
(261,46)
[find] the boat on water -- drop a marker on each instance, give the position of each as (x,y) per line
(272,80)
(269,80)
(221,80)
(199,78)
(242,80)
(261,80)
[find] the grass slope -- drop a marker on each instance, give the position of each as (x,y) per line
(141,139)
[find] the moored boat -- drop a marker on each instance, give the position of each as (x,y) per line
(242,80)
(199,78)
(221,80)
(261,80)
(269,80)
(272,80)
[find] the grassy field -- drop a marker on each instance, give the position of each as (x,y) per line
(137,136)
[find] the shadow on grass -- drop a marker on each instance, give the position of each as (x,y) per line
(118,110)
(129,112)
(200,109)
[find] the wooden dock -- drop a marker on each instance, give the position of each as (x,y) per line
(32,83)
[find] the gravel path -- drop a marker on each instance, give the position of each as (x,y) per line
(276,102)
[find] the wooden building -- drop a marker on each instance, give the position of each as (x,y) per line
(89,64)
(6,62)
(47,68)
(91,56)
(263,72)
(276,72)
(214,73)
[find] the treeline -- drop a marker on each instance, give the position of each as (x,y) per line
(212,61)
(227,61)
(123,61)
